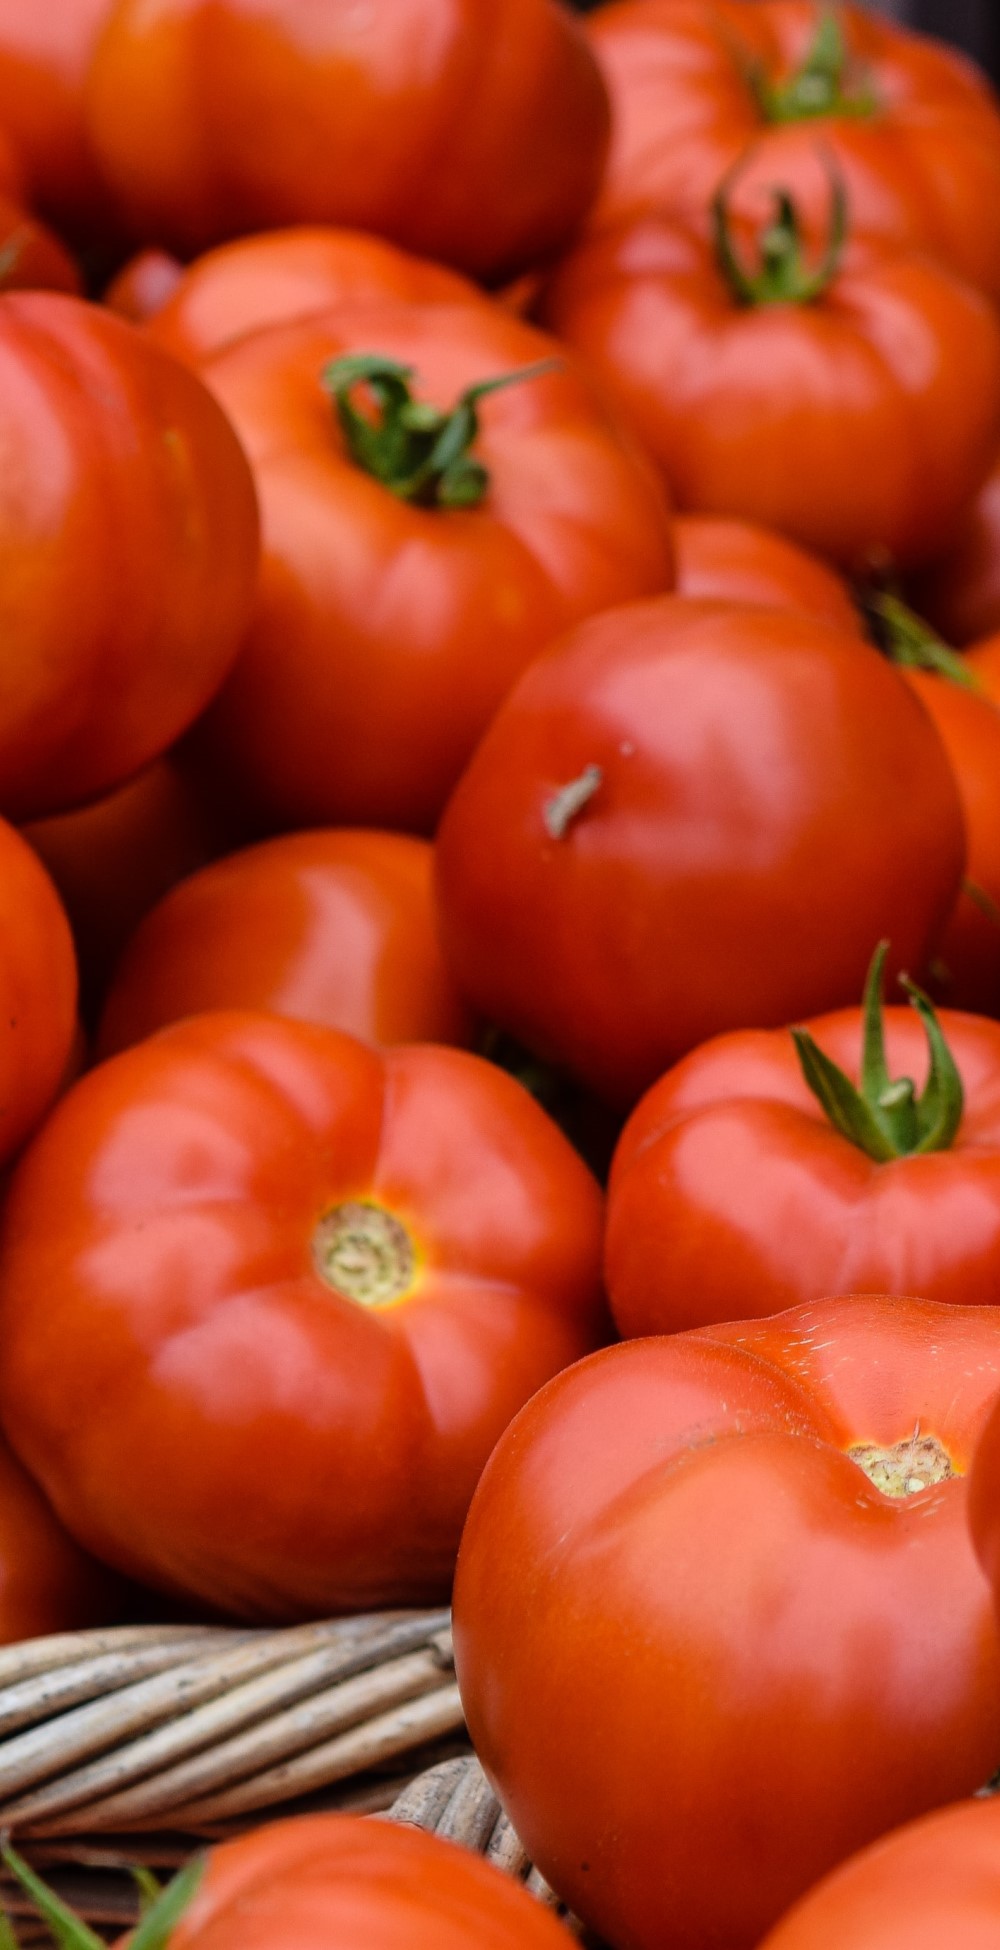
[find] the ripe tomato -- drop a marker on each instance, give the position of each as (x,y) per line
(45,51)
(912,128)
(738,1187)
(791,394)
(47,1583)
(718,1620)
(364,1885)
(934,1882)
(129,551)
(143,285)
(960,590)
(269,1298)
(472,134)
(31,255)
(335,927)
(37,992)
(740,562)
(396,609)
(289,274)
(699,817)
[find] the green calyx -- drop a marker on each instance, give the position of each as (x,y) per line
(885,1118)
(162,1908)
(825,84)
(416,451)
(906,639)
(782,276)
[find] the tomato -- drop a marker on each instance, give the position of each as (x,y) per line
(129,551)
(31,255)
(37,992)
(932,1883)
(911,128)
(718,1621)
(697,817)
(364,1885)
(739,1188)
(394,613)
(960,590)
(475,135)
(289,274)
(335,927)
(269,1298)
(113,860)
(741,562)
(45,51)
(143,285)
(793,393)
(47,1583)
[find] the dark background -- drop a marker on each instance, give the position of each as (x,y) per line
(971,24)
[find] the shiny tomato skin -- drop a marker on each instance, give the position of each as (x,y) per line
(764,779)
(336,927)
(741,562)
(471,133)
(283,275)
(129,551)
(365,1885)
(731,1194)
(38,987)
(677,1591)
(256,1439)
(932,1883)
(852,423)
(387,633)
(965,971)
(922,170)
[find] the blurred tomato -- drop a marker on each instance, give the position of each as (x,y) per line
(960,590)
(37,992)
(45,51)
(47,1583)
(143,285)
(741,562)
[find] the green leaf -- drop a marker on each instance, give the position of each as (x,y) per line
(69,1930)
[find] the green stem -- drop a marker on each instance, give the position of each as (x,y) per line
(823,85)
(70,1932)
(884,1117)
(906,639)
(418,452)
(782,276)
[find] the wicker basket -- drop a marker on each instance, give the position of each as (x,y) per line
(136,1745)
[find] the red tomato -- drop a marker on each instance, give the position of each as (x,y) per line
(269,1298)
(45,51)
(289,274)
(960,590)
(966,965)
(855,407)
(735,1192)
(364,1885)
(740,562)
(31,255)
(718,1621)
(143,285)
(472,134)
(129,551)
(935,1882)
(37,992)
(388,629)
(910,126)
(47,1583)
(335,927)
(699,817)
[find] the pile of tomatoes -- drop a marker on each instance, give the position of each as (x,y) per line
(500,922)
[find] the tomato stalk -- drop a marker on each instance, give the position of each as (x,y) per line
(823,85)
(418,452)
(906,639)
(885,1118)
(70,1932)
(782,276)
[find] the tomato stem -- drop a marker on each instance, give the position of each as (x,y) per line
(564,806)
(418,452)
(825,84)
(885,1118)
(906,639)
(782,276)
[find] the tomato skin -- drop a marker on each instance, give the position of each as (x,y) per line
(924,171)
(966,967)
(482,131)
(741,562)
(365,1885)
(37,992)
(764,778)
(31,255)
(44,55)
(178,1295)
(931,1883)
(959,591)
(143,285)
(336,927)
(284,275)
(671,1536)
(129,551)
(731,1194)
(47,1583)
(377,613)
(864,446)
